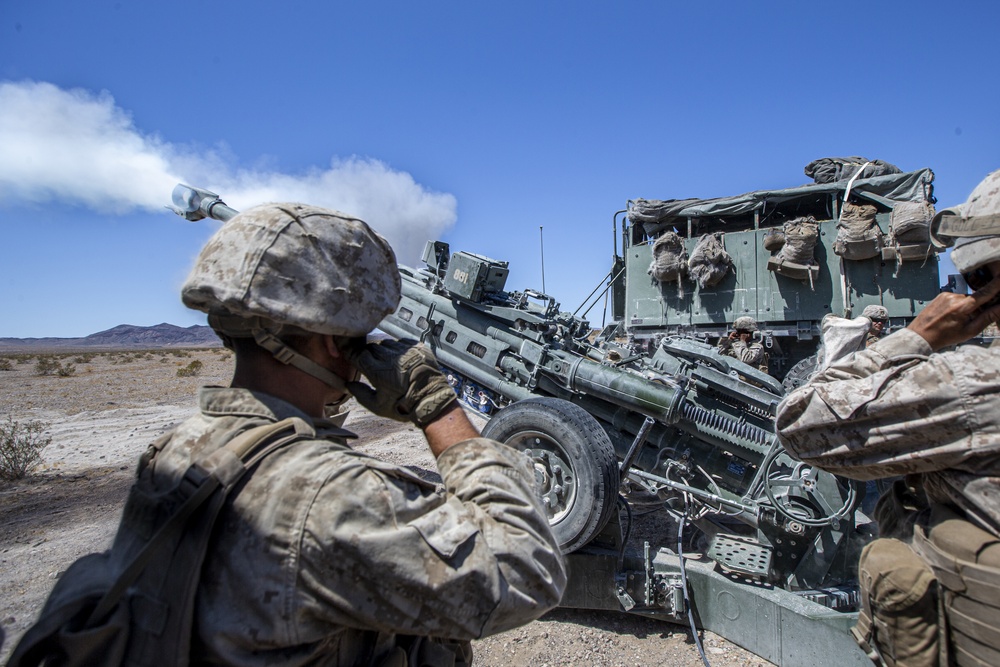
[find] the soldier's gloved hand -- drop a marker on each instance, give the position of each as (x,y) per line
(406,382)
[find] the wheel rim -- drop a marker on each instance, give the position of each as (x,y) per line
(553,472)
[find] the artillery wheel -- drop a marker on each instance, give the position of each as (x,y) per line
(800,373)
(575,465)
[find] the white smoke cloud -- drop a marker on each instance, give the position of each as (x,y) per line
(391,201)
(77,146)
(80,147)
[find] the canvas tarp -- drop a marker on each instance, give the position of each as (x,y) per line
(656,215)
(833,169)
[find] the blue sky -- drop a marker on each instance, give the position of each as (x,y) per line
(472,122)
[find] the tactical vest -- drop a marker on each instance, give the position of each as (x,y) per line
(134,604)
(966,563)
(931,594)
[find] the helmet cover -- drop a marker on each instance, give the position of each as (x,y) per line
(296,265)
(973,227)
(874,312)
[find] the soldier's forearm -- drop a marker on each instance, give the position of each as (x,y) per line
(449,429)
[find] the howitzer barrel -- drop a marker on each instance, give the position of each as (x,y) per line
(478,342)
(195,204)
(521,357)
(667,403)
(660,401)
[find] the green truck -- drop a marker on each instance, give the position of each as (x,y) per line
(868,222)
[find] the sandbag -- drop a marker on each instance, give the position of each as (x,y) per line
(840,337)
(795,259)
(669,260)
(800,241)
(773,240)
(858,235)
(709,261)
(909,233)
(910,222)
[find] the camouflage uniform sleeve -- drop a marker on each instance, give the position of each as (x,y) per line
(752,354)
(385,550)
(724,346)
(896,409)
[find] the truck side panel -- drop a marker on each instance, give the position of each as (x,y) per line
(777,302)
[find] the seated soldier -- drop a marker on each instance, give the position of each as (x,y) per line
(879,317)
(740,344)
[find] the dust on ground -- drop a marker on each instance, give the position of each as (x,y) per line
(103,416)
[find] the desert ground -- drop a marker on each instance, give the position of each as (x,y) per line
(101,417)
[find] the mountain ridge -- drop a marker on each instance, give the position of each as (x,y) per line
(163,335)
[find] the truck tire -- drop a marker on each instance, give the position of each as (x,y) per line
(574,461)
(800,373)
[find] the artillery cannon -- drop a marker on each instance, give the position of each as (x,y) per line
(686,426)
(685,429)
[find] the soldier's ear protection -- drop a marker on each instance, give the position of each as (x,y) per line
(978,278)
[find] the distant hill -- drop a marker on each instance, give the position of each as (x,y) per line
(123,336)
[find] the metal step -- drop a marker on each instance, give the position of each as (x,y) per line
(741,555)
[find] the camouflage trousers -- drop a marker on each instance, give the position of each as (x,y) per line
(930,588)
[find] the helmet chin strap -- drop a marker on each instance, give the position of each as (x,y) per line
(287,355)
(957,226)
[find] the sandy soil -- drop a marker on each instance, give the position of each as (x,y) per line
(103,417)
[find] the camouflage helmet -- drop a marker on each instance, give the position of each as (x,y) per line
(973,227)
(296,267)
(745,323)
(874,312)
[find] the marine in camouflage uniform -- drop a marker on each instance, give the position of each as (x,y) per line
(878,315)
(324,555)
(741,345)
(911,405)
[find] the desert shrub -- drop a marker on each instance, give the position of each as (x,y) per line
(23,358)
(85,358)
(190,370)
(5,364)
(46,366)
(21,445)
(50,365)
